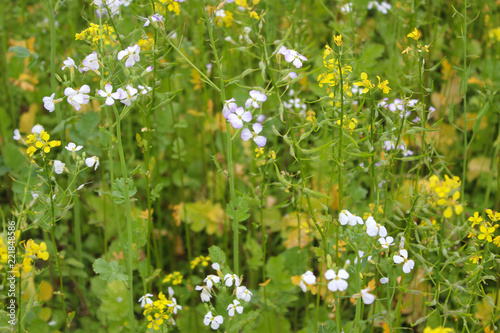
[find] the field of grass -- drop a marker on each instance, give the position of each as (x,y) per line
(250,166)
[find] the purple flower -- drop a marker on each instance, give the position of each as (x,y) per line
(238,117)
(229,107)
(295,58)
(256,97)
(260,140)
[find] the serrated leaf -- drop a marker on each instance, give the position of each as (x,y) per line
(217,255)
(238,209)
(109,272)
(155,193)
(119,193)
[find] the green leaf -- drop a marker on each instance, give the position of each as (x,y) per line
(109,272)
(20,52)
(244,320)
(119,194)
(238,209)
(217,255)
(86,129)
(155,193)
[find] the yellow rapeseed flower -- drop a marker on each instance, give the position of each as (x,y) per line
(486,233)
(383,85)
(338,40)
(367,84)
(415,34)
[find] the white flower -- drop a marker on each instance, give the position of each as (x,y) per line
(366,296)
(48,102)
(214,322)
(73,147)
(220,13)
(290,76)
(170,292)
(90,63)
(174,305)
(402,243)
(205,293)
(211,280)
(256,98)
(58,167)
(386,242)
(338,280)
(235,306)
(128,95)
(144,89)
(77,97)
(229,107)
(384,280)
(109,94)
(243,293)
(384,7)
(145,300)
(92,162)
(346,217)
(17,135)
(347,8)
(37,129)
(230,278)
(131,53)
(373,228)
(216,266)
(403,257)
(307,278)
(282,50)
(68,63)
(295,58)
(260,118)
(238,117)
(360,256)
(260,140)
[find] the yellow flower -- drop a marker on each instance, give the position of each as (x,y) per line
(494,216)
(253,14)
(415,34)
(496,241)
(41,141)
(364,83)
(174,7)
(475,258)
(486,233)
(338,40)
(259,151)
(383,85)
(407,50)
(476,219)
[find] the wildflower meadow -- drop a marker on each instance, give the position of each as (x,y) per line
(262,166)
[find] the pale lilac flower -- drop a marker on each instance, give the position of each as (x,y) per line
(92,162)
(282,50)
(338,280)
(261,118)
(238,117)
(260,140)
(72,147)
(145,300)
(109,94)
(229,107)
(149,69)
(256,98)
(131,54)
(90,63)
(77,97)
(389,145)
(68,63)
(386,242)
(230,278)
(210,280)
(235,306)
(48,102)
(307,278)
(243,293)
(290,76)
(384,280)
(212,321)
(367,297)
(17,135)
(174,305)
(295,58)
(373,228)
(154,18)
(403,257)
(58,167)
(416,120)
(37,129)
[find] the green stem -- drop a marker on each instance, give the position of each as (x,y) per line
(53,46)
(129,220)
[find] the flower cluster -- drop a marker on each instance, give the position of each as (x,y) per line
(203,260)
(368,85)
(175,278)
(292,56)
(95,33)
(382,7)
(221,281)
(486,228)
(40,141)
(446,193)
(33,251)
(333,72)
(238,116)
(160,311)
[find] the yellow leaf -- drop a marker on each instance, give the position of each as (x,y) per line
(45,291)
(263,284)
(45,314)
(27,120)
(478,165)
